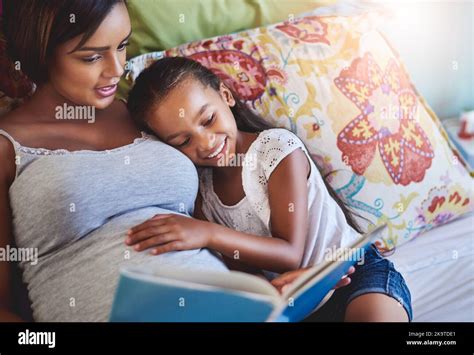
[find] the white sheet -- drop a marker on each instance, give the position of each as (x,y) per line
(438,267)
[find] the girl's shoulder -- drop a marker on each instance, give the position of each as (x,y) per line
(271,147)
(264,155)
(274,142)
(278,138)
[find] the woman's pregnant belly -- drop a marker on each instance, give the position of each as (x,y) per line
(77,282)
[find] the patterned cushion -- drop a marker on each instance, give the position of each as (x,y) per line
(337,83)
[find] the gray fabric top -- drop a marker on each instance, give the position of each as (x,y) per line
(76,208)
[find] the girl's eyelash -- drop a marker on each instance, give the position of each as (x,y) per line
(209,121)
(184,143)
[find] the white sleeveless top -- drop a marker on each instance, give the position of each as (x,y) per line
(327,225)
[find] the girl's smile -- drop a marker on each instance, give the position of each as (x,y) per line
(218,152)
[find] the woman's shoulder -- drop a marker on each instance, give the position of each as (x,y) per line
(10,120)
(10,125)
(7,154)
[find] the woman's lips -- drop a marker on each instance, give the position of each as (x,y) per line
(106,91)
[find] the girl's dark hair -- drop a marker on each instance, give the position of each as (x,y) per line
(157,81)
(34,28)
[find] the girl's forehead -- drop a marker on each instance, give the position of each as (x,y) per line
(188,95)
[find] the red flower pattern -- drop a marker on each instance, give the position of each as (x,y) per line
(309,29)
(387,121)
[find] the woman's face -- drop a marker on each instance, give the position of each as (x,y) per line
(89,75)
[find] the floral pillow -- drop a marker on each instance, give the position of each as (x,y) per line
(337,83)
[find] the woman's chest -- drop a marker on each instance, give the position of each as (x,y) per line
(73,136)
(145,170)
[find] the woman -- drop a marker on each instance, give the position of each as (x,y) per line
(72,193)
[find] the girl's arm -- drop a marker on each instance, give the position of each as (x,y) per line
(287,188)
(288,197)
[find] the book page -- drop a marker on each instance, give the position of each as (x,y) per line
(231,280)
(312,275)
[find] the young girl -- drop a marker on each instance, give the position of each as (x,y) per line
(270,207)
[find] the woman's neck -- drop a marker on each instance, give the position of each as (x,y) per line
(44,103)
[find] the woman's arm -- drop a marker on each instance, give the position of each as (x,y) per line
(287,189)
(7,175)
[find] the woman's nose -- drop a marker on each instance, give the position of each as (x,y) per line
(114,68)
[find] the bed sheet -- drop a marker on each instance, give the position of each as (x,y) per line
(438,267)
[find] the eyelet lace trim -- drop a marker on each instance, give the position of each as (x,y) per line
(270,148)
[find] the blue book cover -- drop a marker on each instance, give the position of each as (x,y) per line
(182,295)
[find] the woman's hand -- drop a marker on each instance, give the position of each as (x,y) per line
(169,232)
(283,281)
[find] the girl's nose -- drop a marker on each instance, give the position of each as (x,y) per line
(207,141)
(212,140)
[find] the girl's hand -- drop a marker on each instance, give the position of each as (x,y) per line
(282,282)
(169,232)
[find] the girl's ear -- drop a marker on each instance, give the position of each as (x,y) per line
(227,95)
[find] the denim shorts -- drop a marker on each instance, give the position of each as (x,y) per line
(375,275)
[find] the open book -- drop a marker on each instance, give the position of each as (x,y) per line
(180,295)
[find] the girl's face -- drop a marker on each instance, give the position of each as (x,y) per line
(89,75)
(198,121)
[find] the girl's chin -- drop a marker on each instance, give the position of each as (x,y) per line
(221,162)
(211,164)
